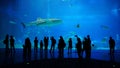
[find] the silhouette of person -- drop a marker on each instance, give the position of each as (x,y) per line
(111,45)
(70,45)
(79,47)
(41,45)
(46,42)
(41,49)
(6,42)
(84,46)
(88,47)
(53,42)
(35,44)
(46,46)
(12,42)
(61,46)
(28,48)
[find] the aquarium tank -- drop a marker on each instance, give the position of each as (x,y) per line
(39,18)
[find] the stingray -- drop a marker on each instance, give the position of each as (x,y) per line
(104,27)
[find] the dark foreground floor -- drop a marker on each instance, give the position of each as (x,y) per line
(99,59)
(65,63)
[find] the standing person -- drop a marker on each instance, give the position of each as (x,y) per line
(6,42)
(41,48)
(70,46)
(46,42)
(111,45)
(61,46)
(12,42)
(53,42)
(88,47)
(41,45)
(79,47)
(36,44)
(46,46)
(28,47)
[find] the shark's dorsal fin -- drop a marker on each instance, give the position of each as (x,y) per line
(23,24)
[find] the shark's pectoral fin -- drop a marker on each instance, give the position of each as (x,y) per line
(23,24)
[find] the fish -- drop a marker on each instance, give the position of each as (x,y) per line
(24,26)
(19,41)
(12,22)
(104,40)
(72,33)
(78,25)
(104,27)
(70,5)
(40,21)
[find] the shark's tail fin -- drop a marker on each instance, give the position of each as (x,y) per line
(23,24)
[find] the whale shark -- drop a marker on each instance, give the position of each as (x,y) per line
(40,21)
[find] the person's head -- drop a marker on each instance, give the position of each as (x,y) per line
(110,37)
(7,36)
(35,37)
(40,40)
(79,39)
(76,36)
(88,36)
(60,37)
(11,36)
(27,38)
(85,38)
(51,37)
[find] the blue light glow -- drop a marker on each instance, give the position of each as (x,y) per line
(89,14)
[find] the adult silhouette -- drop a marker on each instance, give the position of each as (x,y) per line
(6,42)
(79,46)
(12,42)
(41,49)
(70,46)
(61,46)
(46,42)
(88,47)
(53,42)
(35,44)
(46,47)
(28,48)
(41,45)
(111,45)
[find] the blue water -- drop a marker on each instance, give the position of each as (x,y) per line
(98,18)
